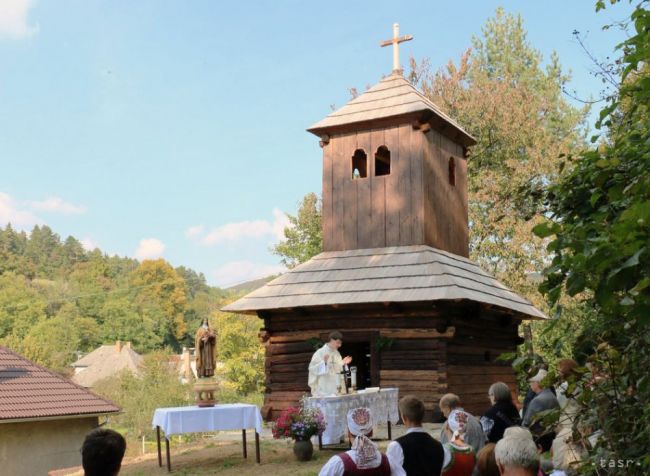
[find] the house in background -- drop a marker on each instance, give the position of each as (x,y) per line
(106,361)
(184,364)
(44,417)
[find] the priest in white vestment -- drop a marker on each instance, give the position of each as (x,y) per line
(326,366)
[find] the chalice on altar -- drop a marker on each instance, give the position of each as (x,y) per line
(353,379)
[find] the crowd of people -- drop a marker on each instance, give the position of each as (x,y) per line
(501,442)
(504,441)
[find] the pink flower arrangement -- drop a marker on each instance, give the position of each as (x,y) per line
(299,423)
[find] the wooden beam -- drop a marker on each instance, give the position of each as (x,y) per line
(418,333)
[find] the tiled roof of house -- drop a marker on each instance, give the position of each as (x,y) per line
(29,391)
(106,361)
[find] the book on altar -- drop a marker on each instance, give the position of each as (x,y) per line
(369,390)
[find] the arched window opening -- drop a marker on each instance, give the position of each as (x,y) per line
(359,164)
(382,161)
(452,171)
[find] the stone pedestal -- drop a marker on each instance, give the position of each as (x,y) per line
(206,389)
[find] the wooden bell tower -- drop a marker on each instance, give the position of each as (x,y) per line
(394,170)
(394,276)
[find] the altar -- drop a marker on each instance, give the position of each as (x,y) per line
(382,404)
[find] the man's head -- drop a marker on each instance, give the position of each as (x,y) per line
(102,452)
(516,454)
(449,402)
(536,381)
(335,340)
(411,410)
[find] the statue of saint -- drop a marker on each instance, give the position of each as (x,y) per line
(204,343)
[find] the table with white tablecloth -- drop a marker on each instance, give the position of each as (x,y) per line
(382,404)
(194,419)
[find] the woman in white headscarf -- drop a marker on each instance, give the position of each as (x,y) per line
(364,458)
(460,458)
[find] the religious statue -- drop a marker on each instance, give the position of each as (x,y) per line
(204,343)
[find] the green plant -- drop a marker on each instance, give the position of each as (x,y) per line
(384,342)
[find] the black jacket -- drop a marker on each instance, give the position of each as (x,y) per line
(499,417)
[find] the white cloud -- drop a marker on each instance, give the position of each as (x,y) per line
(10,213)
(13,19)
(193,231)
(240,271)
(58,205)
(88,244)
(149,248)
(247,229)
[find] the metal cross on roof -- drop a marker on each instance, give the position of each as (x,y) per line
(395,41)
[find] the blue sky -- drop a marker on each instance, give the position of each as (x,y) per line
(177,128)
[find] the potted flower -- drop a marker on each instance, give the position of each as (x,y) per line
(300,424)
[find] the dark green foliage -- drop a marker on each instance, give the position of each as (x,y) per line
(599,226)
(303,239)
(57,299)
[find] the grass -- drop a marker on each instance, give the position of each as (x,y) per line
(225,458)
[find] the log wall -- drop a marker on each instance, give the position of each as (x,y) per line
(426,352)
(472,364)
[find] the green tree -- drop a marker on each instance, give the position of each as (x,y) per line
(21,307)
(12,249)
(241,352)
(120,321)
(303,238)
(600,211)
(159,295)
(514,107)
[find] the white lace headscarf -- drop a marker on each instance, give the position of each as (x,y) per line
(457,421)
(360,425)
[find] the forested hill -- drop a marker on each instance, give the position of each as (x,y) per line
(56,298)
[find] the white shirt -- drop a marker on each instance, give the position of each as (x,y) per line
(335,467)
(396,454)
(324,376)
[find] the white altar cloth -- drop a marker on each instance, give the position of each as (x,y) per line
(382,404)
(232,416)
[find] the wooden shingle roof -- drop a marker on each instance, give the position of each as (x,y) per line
(392,96)
(394,274)
(31,392)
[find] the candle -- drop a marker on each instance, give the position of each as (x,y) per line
(353,377)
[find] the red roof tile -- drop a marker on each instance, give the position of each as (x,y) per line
(28,390)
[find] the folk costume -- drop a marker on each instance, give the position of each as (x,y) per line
(416,453)
(474,435)
(460,458)
(364,459)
